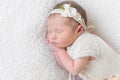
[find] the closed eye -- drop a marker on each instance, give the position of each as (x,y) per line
(58,30)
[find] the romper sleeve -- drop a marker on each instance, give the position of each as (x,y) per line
(86,47)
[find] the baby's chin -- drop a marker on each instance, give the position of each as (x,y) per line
(60,46)
(63,46)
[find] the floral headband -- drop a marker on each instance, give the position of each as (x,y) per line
(67,11)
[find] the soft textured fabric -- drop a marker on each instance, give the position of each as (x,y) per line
(24,54)
(106,59)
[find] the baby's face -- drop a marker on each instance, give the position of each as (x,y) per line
(60,31)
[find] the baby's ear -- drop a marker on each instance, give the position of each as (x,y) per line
(80,29)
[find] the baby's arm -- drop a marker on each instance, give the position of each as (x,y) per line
(72,66)
(58,60)
(65,61)
(54,48)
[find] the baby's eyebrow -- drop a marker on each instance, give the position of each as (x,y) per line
(58,29)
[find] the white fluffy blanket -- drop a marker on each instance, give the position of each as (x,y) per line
(24,54)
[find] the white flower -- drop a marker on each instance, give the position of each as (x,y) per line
(68,11)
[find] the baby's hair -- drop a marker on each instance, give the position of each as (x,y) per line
(75,5)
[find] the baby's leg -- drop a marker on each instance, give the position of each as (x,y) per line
(115,78)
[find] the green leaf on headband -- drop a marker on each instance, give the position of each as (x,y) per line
(62,7)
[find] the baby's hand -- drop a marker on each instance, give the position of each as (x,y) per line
(54,48)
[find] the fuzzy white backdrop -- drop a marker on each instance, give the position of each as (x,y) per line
(24,54)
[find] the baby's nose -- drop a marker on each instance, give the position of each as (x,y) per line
(52,36)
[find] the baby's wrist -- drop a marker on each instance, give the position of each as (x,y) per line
(61,51)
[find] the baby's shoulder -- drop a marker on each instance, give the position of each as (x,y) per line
(87,37)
